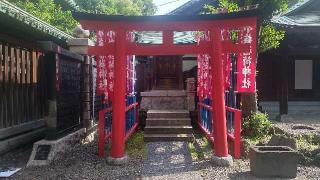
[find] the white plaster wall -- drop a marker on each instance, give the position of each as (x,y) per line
(303,74)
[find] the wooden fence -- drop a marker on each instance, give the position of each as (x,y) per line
(22,88)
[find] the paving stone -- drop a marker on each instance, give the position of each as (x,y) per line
(169,160)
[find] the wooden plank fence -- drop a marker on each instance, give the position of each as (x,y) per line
(22,89)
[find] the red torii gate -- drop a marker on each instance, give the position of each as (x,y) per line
(216,25)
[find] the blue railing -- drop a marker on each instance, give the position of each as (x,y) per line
(205,114)
(233,113)
(231,101)
(231,96)
(131,114)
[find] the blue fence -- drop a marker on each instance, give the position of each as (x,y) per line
(131,113)
(206,114)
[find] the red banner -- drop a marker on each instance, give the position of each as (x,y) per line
(130,75)
(102,80)
(246,72)
(246,64)
(204,76)
(227,65)
(105,66)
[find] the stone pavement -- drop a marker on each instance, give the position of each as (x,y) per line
(169,160)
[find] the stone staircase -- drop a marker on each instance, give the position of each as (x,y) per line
(168,125)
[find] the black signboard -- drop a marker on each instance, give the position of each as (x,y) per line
(42,152)
(69,94)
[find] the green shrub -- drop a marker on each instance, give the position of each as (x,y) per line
(135,146)
(256,125)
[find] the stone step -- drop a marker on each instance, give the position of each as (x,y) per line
(304,103)
(168,121)
(273,116)
(271,109)
(269,103)
(168,137)
(303,108)
(168,129)
(167,114)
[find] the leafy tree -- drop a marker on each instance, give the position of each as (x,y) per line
(50,12)
(123,7)
(268,37)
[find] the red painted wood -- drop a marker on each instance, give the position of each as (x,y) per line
(118,115)
(102,136)
(131,106)
(208,134)
(205,106)
(236,136)
(229,47)
(219,115)
(131,131)
(153,50)
(200,25)
(168,38)
(122,48)
(134,127)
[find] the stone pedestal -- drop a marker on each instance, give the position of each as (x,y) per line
(164,99)
(80,45)
(117,161)
(223,161)
(45,151)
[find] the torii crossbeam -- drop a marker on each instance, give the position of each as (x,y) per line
(218,27)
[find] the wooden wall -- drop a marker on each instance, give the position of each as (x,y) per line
(22,93)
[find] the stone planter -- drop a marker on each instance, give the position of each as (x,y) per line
(273,161)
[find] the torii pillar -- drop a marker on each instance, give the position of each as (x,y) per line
(118,155)
(221,158)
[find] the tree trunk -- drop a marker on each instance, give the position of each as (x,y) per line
(249,104)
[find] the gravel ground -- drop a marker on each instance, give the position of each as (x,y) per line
(82,162)
(172,160)
(166,160)
(302,127)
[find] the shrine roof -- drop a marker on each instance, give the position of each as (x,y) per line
(306,13)
(22,25)
(161,18)
(192,7)
(155,37)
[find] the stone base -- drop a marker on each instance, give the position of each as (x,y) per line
(223,161)
(164,99)
(80,45)
(117,161)
(44,151)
